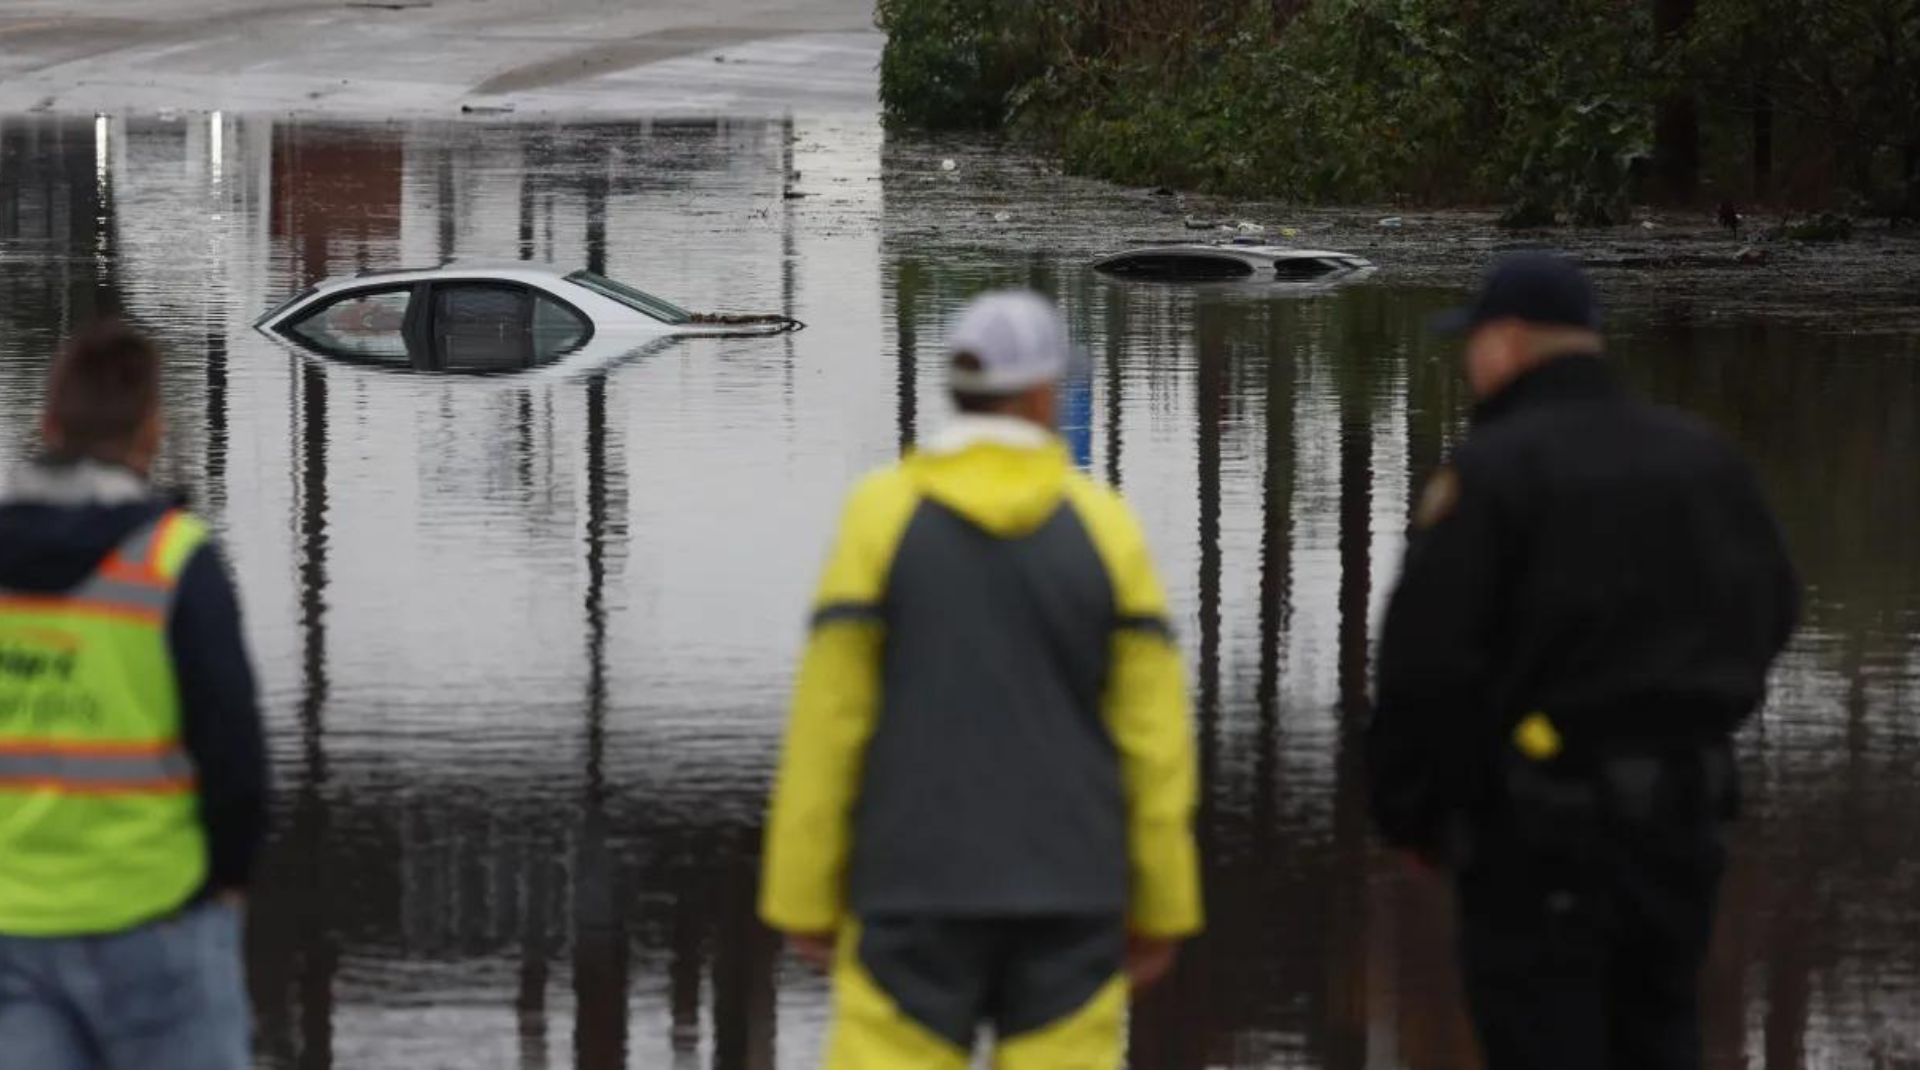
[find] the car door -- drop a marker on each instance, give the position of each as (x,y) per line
(482,326)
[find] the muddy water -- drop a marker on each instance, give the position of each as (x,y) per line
(524,642)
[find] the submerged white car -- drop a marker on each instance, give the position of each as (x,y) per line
(485,318)
(1237,261)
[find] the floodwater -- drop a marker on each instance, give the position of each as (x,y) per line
(525,641)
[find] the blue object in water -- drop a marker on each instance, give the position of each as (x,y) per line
(1076,418)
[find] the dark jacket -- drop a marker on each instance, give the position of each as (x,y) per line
(57,522)
(1587,556)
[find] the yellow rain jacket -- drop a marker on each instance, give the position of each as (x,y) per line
(990,718)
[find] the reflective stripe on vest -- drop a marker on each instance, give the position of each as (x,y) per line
(99,818)
(105,768)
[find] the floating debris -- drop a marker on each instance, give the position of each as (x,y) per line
(1392,222)
(949,165)
(1820,228)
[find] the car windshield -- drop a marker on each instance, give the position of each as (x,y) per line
(287,305)
(645,303)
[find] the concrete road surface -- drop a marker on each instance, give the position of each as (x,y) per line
(438,57)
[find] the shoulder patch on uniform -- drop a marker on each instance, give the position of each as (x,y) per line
(1438,499)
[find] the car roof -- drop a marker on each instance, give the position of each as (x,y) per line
(519,271)
(1229,250)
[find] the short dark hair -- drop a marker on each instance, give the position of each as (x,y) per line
(104,384)
(978,404)
(969,401)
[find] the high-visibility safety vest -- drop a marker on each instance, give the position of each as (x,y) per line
(99,804)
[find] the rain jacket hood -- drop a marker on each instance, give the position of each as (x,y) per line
(1006,475)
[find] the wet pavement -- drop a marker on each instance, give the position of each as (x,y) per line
(386,58)
(525,642)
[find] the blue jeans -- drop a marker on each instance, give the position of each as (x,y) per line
(167,995)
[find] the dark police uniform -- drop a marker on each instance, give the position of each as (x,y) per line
(1591,599)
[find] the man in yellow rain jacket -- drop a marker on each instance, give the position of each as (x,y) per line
(983,813)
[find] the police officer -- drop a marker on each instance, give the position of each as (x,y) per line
(1591,599)
(984,808)
(132,776)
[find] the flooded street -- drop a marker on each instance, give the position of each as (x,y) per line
(525,641)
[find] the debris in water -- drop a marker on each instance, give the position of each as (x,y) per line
(949,165)
(1647,225)
(1289,232)
(792,194)
(43,105)
(1003,217)
(1391,222)
(1200,223)
(1252,228)
(1820,228)
(486,109)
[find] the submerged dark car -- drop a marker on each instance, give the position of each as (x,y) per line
(1233,262)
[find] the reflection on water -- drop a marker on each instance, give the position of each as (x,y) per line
(525,646)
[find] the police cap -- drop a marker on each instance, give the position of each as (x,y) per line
(1535,286)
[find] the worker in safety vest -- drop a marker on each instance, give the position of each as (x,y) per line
(132,777)
(984,808)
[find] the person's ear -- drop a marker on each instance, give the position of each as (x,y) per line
(1043,406)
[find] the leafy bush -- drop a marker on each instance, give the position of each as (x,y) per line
(1545,104)
(954,64)
(1837,80)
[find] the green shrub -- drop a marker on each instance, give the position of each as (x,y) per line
(1546,105)
(953,64)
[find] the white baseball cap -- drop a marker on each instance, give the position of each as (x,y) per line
(1016,340)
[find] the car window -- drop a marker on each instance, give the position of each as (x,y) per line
(1178,267)
(479,326)
(481,310)
(556,329)
(371,324)
(622,293)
